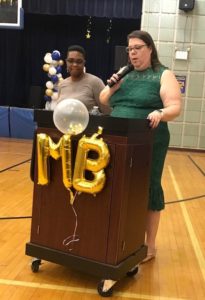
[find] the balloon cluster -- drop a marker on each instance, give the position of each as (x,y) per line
(71,117)
(53,66)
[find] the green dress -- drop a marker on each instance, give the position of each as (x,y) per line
(136,98)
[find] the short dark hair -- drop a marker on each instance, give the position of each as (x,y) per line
(147,39)
(78,49)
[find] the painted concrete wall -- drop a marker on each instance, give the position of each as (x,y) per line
(173,29)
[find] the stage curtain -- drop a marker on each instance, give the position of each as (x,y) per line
(22,51)
(129,9)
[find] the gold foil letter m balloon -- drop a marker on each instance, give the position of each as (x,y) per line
(43,152)
(45,148)
(96,166)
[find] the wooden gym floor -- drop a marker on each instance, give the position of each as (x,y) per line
(178,272)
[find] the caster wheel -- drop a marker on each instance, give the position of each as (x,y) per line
(35,265)
(102,293)
(133,272)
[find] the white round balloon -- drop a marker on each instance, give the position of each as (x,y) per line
(54,96)
(47,58)
(71,116)
(52,71)
(49,85)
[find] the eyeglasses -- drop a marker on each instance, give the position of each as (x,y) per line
(74,61)
(135,48)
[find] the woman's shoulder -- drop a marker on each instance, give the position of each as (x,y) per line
(168,76)
(64,82)
(93,78)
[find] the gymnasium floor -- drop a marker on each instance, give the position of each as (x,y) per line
(178,272)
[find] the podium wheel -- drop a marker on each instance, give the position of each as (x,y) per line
(133,272)
(102,292)
(35,265)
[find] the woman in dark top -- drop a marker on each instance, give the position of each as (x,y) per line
(152,92)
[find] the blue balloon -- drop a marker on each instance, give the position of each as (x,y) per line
(58,69)
(54,78)
(47,98)
(55,55)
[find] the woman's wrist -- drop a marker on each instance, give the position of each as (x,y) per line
(161,112)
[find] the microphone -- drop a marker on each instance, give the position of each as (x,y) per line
(121,73)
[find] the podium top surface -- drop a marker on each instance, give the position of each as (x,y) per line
(111,125)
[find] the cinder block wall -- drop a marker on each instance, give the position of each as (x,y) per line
(173,29)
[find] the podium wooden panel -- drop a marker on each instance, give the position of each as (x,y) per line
(110,225)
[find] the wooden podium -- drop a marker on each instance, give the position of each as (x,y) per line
(110,225)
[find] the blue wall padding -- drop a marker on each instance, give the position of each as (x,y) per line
(4,121)
(21,123)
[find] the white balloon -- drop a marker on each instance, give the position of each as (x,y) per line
(48,58)
(48,105)
(54,63)
(71,116)
(52,71)
(61,79)
(54,96)
(49,85)
(53,105)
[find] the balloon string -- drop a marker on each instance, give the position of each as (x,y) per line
(72,238)
(72,197)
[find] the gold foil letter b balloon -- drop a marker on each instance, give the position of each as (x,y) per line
(96,166)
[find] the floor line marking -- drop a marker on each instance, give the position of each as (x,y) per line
(194,240)
(82,290)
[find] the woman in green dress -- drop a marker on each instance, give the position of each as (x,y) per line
(150,91)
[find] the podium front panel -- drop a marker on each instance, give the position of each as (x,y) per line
(109,226)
